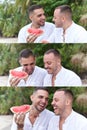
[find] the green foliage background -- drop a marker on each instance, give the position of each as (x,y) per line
(14,16)
(18,96)
(9,54)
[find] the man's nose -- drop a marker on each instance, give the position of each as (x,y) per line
(44,100)
(28,66)
(45,65)
(43,16)
(52,103)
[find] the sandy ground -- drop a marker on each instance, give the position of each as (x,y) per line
(3,80)
(5,122)
(8,40)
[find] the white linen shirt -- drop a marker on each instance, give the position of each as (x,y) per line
(47,28)
(35,79)
(74,121)
(41,122)
(64,77)
(74,34)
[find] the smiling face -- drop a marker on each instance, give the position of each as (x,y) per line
(59,102)
(38,17)
(28,64)
(40,100)
(52,63)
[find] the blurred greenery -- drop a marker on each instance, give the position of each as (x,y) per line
(9,54)
(18,96)
(13,96)
(14,16)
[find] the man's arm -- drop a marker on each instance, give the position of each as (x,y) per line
(18,123)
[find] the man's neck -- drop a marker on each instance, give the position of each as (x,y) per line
(64,116)
(57,71)
(33,114)
(35,26)
(66,26)
(34,111)
(54,75)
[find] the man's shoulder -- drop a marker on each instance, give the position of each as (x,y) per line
(69,72)
(48,112)
(17,69)
(24,28)
(48,76)
(49,24)
(78,27)
(71,75)
(40,69)
(79,117)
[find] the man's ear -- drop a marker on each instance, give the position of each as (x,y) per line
(31,97)
(59,61)
(68,102)
(20,61)
(30,17)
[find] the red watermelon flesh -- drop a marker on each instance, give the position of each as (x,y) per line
(18,109)
(35,31)
(18,74)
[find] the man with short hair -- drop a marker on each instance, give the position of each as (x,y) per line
(65,117)
(38,117)
(37,17)
(35,74)
(66,31)
(57,74)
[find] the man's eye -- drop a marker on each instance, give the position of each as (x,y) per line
(32,64)
(40,97)
(25,65)
(49,63)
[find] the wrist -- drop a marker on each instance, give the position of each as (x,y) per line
(20,127)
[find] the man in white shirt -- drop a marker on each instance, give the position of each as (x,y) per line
(57,74)
(66,30)
(38,117)
(35,74)
(65,117)
(37,17)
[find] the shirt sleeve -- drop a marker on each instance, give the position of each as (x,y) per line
(22,36)
(75,81)
(82,37)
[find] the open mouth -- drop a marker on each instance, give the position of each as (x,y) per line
(55,109)
(42,106)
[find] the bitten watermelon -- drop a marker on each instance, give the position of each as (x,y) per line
(35,31)
(23,108)
(18,74)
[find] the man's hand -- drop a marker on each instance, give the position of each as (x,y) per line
(19,120)
(31,38)
(44,41)
(14,81)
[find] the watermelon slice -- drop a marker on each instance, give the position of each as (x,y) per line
(35,31)
(23,108)
(19,74)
